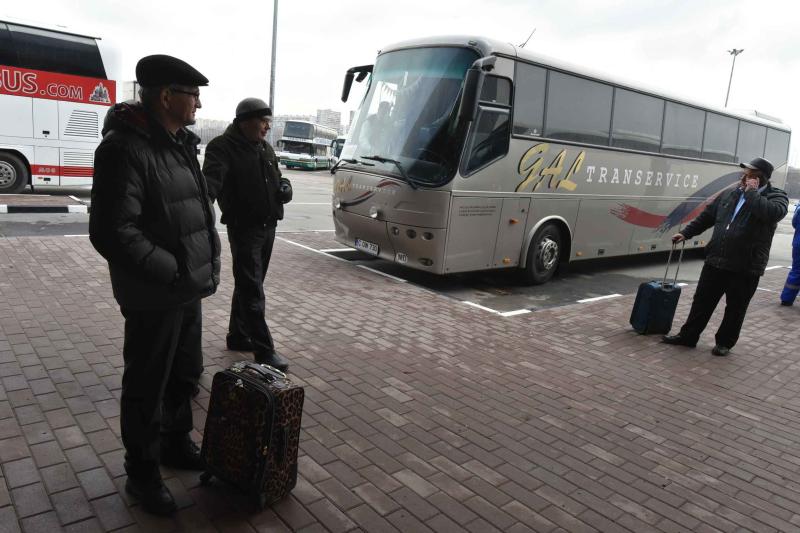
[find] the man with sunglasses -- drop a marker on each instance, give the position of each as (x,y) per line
(243,174)
(151,219)
(744,220)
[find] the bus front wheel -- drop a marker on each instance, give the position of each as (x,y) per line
(544,254)
(13,174)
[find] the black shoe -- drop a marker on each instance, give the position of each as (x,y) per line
(678,340)
(181,452)
(720,350)
(272,359)
(239,344)
(786,303)
(154,496)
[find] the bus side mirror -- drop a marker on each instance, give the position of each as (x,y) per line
(348,79)
(473,83)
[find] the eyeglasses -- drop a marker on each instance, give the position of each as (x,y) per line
(190,93)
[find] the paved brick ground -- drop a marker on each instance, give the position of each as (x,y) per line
(422,414)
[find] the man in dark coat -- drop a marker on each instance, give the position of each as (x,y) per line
(152,220)
(744,221)
(242,172)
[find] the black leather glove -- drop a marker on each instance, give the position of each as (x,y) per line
(285,191)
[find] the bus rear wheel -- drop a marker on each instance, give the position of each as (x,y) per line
(13,174)
(544,255)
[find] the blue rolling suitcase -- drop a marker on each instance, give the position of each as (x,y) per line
(656,302)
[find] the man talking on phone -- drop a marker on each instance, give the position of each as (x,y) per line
(744,221)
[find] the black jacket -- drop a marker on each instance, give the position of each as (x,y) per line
(742,245)
(246,179)
(151,217)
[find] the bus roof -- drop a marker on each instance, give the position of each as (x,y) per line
(486,47)
(45,26)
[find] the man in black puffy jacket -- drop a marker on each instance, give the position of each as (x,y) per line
(243,174)
(744,221)
(152,220)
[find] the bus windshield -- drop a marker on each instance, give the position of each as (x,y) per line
(296,147)
(409,112)
(299,130)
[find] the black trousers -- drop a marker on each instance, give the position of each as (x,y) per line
(163,363)
(738,289)
(251,249)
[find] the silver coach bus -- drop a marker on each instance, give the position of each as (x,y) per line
(471,154)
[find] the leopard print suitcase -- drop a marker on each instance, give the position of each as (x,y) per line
(252,431)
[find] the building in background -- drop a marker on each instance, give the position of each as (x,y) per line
(330,119)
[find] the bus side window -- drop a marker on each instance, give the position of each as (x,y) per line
(489,139)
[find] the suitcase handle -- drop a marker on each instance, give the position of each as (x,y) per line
(268,372)
(669,260)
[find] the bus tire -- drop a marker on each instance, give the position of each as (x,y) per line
(14,174)
(544,254)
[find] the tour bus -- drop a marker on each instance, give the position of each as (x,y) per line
(471,154)
(54,95)
(305,145)
(336,148)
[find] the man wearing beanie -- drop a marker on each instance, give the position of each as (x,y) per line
(243,174)
(152,220)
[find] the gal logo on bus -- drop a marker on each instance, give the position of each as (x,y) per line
(533,173)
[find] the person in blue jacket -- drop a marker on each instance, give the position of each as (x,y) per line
(792,286)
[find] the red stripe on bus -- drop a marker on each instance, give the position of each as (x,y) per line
(52,170)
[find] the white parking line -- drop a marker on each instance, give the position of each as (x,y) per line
(515,313)
(75,235)
(331,250)
(587,300)
(384,274)
(774,267)
(311,203)
(312,249)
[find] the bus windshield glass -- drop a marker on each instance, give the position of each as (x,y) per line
(296,147)
(298,130)
(408,115)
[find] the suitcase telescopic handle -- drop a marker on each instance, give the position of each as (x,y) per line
(266,371)
(669,260)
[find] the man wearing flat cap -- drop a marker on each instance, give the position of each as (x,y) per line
(243,174)
(152,220)
(744,221)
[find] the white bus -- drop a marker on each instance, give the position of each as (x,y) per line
(471,154)
(54,94)
(305,145)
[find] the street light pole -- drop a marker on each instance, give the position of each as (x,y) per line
(272,66)
(734,52)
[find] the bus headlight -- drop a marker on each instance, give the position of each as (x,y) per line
(374,212)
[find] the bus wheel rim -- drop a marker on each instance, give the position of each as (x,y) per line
(548,253)
(8,174)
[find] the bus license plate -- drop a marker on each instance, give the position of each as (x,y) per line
(366,246)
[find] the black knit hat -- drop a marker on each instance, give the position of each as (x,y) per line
(252,107)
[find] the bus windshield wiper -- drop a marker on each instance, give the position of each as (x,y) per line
(413,183)
(351,161)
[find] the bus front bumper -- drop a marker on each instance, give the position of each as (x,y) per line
(411,246)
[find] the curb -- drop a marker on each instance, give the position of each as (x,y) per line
(29,203)
(43,208)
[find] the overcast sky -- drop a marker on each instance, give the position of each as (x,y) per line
(680,46)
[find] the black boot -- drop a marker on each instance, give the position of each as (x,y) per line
(181,452)
(239,344)
(152,494)
(272,359)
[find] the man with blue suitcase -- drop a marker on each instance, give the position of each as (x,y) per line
(744,221)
